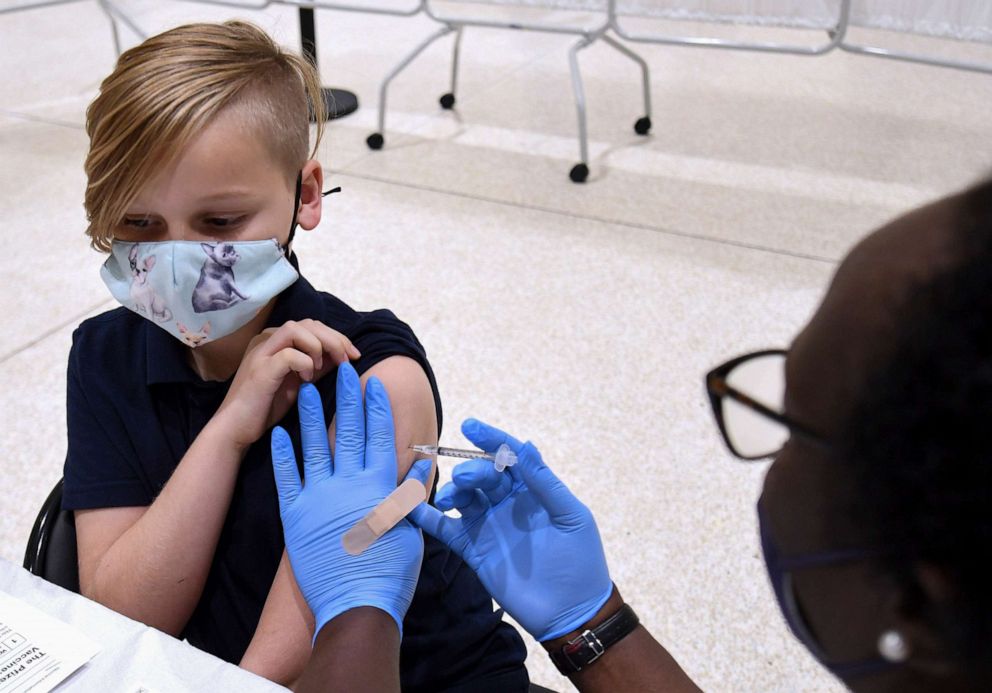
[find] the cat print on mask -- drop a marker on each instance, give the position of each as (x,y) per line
(194,339)
(142,293)
(216,289)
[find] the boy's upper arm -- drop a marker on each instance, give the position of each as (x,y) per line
(412,402)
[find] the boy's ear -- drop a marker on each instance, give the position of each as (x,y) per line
(308,214)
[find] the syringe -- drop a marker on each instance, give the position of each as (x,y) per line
(502,458)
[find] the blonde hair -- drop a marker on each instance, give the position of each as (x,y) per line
(167,89)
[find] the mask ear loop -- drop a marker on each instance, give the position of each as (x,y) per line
(296,207)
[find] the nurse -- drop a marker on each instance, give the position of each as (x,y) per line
(875,517)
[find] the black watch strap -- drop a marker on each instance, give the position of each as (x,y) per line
(589,645)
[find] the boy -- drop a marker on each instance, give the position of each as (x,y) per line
(198,173)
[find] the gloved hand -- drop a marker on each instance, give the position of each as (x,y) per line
(336,495)
(532,543)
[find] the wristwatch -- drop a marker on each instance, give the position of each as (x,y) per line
(589,645)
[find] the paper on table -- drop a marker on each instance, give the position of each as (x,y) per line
(37,652)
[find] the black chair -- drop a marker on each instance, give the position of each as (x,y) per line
(51,551)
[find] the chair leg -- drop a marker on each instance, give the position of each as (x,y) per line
(643,124)
(115,14)
(448,100)
(580,171)
(376,139)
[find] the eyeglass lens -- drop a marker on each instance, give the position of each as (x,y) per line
(751,433)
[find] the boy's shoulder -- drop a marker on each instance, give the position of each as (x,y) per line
(108,323)
(371,331)
(338,315)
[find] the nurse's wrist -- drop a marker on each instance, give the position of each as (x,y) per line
(609,608)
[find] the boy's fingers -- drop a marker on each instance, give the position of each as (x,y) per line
(284,467)
(334,343)
(313,435)
(289,361)
(349,426)
(380,438)
(297,336)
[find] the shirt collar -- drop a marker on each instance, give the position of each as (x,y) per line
(166,356)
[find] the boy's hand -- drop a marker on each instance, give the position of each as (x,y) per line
(277,362)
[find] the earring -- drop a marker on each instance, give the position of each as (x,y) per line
(893,646)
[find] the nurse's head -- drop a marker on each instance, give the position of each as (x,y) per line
(876,515)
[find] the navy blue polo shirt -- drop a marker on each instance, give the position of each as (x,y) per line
(134,408)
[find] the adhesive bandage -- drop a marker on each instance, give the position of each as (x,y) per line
(384,516)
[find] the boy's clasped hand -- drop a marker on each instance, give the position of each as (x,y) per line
(277,362)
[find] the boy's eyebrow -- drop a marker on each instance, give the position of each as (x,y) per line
(226,195)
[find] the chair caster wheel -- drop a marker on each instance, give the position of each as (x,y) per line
(579,173)
(374,141)
(447,101)
(642,126)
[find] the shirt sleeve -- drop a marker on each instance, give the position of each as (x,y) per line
(97,473)
(379,335)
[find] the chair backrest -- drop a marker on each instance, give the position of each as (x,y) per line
(51,550)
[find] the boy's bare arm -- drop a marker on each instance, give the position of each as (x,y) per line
(415,418)
(414,413)
(151,563)
(280,648)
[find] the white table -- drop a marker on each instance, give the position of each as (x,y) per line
(132,655)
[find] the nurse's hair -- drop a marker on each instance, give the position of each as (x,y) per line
(167,89)
(918,445)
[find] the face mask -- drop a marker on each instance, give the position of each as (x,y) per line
(197,292)
(780,570)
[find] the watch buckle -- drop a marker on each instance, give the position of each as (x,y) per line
(594,644)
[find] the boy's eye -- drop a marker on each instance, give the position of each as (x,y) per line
(137,222)
(223,221)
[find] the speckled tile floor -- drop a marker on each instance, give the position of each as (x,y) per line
(582,317)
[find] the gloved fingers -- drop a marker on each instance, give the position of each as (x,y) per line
(478,505)
(487,437)
(450,496)
(421,471)
(349,423)
(380,438)
(313,435)
(447,530)
(560,503)
(284,467)
(481,474)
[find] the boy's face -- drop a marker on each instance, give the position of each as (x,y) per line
(223,186)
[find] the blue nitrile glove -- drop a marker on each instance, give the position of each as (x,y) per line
(338,494)
(532,543)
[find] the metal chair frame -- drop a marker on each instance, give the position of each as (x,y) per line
(878,52)
(835,33)
(587,36)
(838,39)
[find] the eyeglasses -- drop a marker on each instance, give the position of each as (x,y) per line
(748,398)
